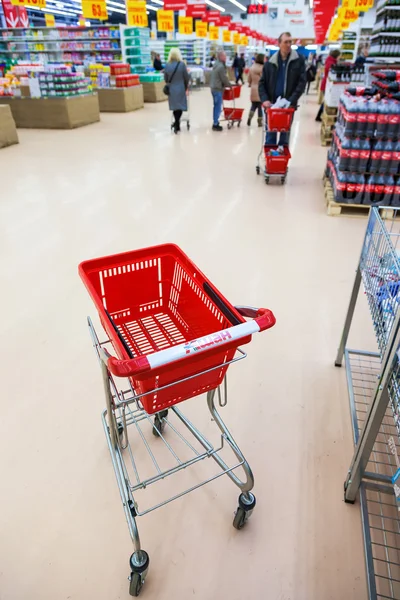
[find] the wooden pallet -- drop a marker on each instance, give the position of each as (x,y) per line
(331,110)
(326,135)
(334,209)
(328,120)
(320,98)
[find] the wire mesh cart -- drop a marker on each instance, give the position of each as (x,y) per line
(232,114)
(175,336)
(185,118)
(373,379)
(277,120)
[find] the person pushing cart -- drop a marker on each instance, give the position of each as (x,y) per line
(284,75)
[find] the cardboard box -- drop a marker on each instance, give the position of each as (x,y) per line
(153,91)
(121,99)
(25,91)
(8,132)
(54,113)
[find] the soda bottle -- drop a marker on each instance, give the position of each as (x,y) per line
(393,120)
(395,162)
(372,109)
(351,187)
(365,152)
(359,191)
(341,187)
(388,190)
(354,155)
(344,154)
(376,157)
(369,190)
(396,194)
(351,117)
(362,115)
(381,121)
(379,195)
(386,157)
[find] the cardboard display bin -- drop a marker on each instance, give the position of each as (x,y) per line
(8,131)
(54,113)
(121,99)
(153,91)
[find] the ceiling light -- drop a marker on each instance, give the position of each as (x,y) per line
(311,3)
(311,47)
(54,10)
(152,7)
(158,2)
(217,6)
(236,3)
(118,10)
(117,4)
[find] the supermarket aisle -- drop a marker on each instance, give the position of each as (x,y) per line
(126,183)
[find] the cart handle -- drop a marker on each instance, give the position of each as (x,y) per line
(264,319)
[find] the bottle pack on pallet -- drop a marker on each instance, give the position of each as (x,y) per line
(363,161)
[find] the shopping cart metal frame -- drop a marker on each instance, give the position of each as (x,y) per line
(185,118)
(373,380)
(236,114)
(124,412)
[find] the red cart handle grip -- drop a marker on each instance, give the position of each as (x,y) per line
(263,319)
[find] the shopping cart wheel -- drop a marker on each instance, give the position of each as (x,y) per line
(139,563)
(159,423)
(229,125)
(283,179)
(188,125)
(239,123)
(267,179)
(257,170)
(244,510)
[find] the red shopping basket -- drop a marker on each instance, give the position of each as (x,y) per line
(231,93)
(276,165)
(233,114)
(279,119)
(166,322)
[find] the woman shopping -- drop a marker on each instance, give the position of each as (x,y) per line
(253,80)
(177,79)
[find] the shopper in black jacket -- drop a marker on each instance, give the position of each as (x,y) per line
(283,75)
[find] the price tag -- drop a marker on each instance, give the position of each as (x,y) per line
(213,32)
(165,20)
(136,13)
(82,22)
(201,29)
(185,25)
(226,36)
(34,3)
(50,20)
(236,38)
(244,41)
(94,10)
(358,5)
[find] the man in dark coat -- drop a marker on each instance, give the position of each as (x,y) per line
(283,75)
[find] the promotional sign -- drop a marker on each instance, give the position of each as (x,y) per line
(196,10)
(185,25)
(15,16)
(201,29)
(293,13)
(213,32)
(175,4)
(165,20)
(211,15)
(257,9)
(345,14)
(226,36)
(136,13)
(50,20)
(297,21)
(236,38)
(94,10)
(358,5)
(225,20)
(34,3)
(244,40)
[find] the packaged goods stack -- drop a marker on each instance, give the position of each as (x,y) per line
(61,82)
(363,162)
(136,48)
(119,90)
(385,41)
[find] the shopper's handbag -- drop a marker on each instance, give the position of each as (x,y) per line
(166,86)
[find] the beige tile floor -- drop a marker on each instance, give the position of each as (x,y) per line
(127,183)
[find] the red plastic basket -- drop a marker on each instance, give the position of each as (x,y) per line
(276,165)
(233,114)
(279,119)
(231,93)
(155,298)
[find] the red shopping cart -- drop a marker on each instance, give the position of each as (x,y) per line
(276,162)
(175,336)
(232,114)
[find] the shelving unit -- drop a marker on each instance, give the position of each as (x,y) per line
(373,379)
(135,45)
(385,39)
(62,44)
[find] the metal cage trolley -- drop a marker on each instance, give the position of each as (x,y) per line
(175,336)
(232,114)
(185,118)
(277,120)
(373,380)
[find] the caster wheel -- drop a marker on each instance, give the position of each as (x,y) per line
(138,572)
(283,179)
(239,123)
(120,430)
(188,126)
(258,170)
(244,510)
(159,423)
(267,180)
(229,125)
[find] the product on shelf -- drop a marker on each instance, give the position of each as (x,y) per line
(364,159)
(60,81)
(135,48)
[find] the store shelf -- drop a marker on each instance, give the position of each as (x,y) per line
(386,9)
(60,40)
(395,34)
